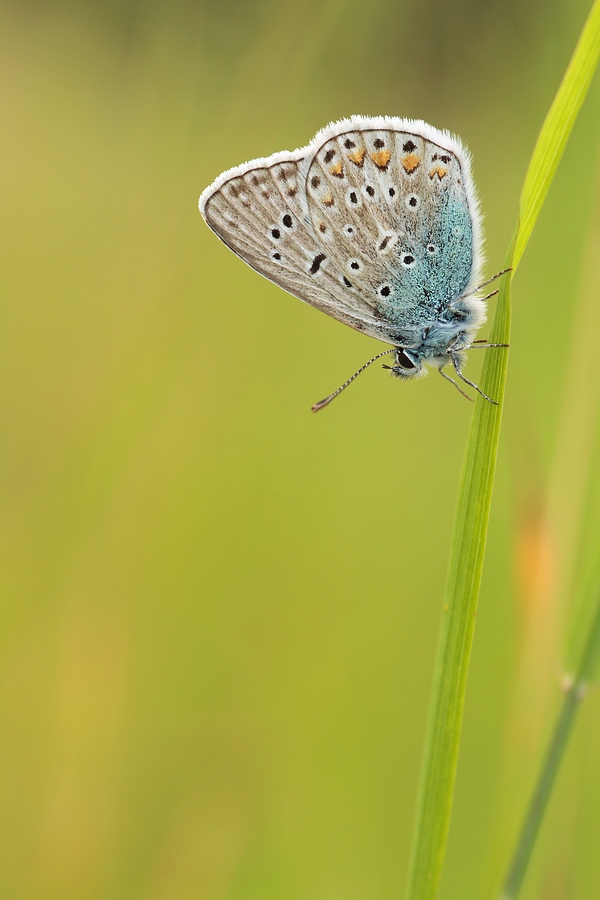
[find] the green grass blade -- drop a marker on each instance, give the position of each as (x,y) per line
(576,691)
(557,127)
(590,658)
(438,772)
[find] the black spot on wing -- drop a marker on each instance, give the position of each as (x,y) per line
(316,263)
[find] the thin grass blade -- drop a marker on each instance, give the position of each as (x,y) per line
(575,692)
(557,127)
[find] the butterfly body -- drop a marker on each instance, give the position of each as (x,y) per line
(376,222)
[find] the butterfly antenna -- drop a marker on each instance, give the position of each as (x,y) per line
(317,406)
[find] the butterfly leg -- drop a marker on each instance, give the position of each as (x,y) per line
(493,278)
(481,344)
(463,313)
(490,295)
(484,284)
(456,364)
(452,381)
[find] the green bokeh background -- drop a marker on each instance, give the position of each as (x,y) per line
(219,612)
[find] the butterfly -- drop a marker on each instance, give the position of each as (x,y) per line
(377,223)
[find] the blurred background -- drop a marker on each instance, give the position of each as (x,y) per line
(219,612)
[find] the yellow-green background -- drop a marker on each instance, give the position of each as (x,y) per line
(218,611)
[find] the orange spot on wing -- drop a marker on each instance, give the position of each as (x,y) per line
(439,171)
(357,157)
(337,170)
(328,200)
(410,163)
(381,158)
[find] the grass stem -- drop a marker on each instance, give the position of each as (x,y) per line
(574,694)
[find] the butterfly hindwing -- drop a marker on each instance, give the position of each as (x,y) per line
(400,221)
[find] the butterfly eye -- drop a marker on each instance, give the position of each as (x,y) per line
(404,360)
